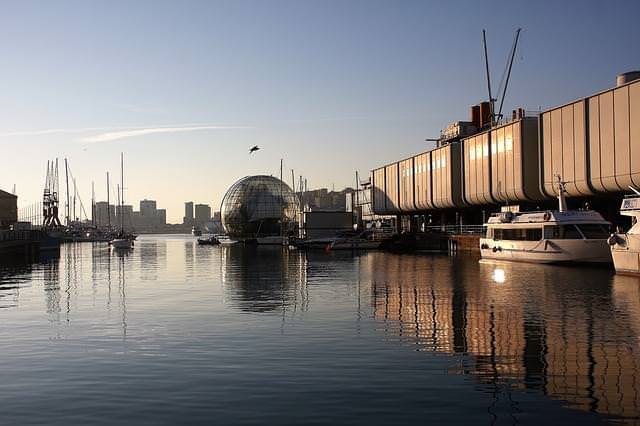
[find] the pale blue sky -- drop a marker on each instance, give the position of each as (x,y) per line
(330,86)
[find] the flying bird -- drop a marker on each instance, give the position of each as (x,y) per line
(254,149)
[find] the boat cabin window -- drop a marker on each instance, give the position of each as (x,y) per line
(594,231)
(562,232)
(516,234)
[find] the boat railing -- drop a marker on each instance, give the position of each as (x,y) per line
(457,229)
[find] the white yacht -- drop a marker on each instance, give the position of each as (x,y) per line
(551,236)
(625,248)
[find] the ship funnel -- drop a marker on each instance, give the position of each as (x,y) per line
(627,77)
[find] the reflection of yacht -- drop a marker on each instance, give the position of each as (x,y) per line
(367,240)
(211,241)
(196,231)
(547,236)
(625,248)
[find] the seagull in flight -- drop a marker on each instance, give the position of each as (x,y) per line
(254,149)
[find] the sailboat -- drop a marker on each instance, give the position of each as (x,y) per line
(122,241)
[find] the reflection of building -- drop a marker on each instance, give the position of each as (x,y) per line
(202,214)
(8,209)
(262,279)
(541,328)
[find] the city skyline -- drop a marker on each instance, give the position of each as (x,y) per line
(184,92)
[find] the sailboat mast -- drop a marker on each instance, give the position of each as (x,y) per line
(66,173)
(119,208)
(108,204)
(122,190)
(281,204)
(75,193)
(93,204)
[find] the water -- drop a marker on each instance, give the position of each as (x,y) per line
(177,333)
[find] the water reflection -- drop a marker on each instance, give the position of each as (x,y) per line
(566,333)
(262,279)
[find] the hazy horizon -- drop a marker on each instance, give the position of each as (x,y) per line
(185,89)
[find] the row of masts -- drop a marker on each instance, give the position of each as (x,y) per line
(50,205)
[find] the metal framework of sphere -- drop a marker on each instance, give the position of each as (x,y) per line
(256,206)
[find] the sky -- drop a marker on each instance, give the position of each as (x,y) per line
(184,89)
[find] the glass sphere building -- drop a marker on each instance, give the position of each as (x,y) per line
(257,206)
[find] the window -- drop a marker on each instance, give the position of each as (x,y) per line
(562,232)
(594,231)
(517,234)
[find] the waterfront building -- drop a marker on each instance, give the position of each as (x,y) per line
(591,143)
(8,209)
(323,199)
(105,214)
(162,217)
(202,214)
(124,216)
(148,210)
(188,213)
(258,206)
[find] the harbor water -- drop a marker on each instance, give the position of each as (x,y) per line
(172,332)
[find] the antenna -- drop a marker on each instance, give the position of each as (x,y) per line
(513,54)
(486,64)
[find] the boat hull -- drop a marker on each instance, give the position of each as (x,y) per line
(626,256)
(547,251)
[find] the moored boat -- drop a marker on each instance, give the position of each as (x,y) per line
(211,241)
(552,236)
(625,247)
(121,243)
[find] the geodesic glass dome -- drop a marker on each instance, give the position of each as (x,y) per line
(255,206)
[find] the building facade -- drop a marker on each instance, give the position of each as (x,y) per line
(8,209)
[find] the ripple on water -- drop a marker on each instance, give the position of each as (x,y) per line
(173,332)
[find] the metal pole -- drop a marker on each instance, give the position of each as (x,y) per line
(66,173)
(486,62)
(108,205)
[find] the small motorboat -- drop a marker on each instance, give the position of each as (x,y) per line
(211,241)
(121,243)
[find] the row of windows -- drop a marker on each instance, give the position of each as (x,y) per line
(483,151)
(555,232)
(517,234)
(435,164)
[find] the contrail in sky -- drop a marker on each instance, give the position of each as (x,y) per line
(117,133)
(130,133)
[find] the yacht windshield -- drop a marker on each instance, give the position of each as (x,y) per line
(593,231)
(590,231)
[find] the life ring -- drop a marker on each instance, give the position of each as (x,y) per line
(547,216)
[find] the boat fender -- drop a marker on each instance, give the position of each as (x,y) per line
(547,216)
(614,239)
(484,246)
